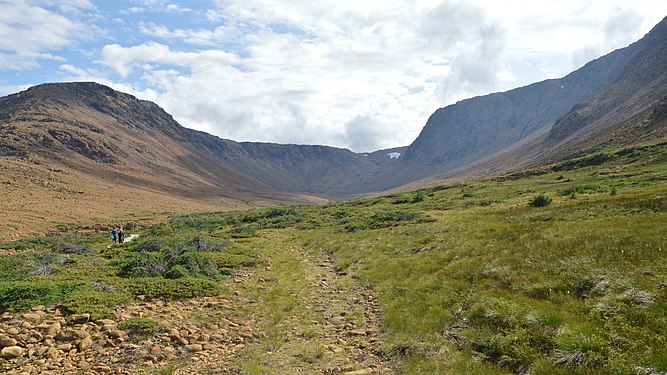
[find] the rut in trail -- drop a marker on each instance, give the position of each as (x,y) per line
(307,317)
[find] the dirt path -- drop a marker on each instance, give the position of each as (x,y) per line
(302,317)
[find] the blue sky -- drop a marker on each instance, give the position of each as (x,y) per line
(360,75)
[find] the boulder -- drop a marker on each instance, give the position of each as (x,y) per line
(193,348)
(31,317)
(85,343)
(7,341)
(11,352)
(78,318)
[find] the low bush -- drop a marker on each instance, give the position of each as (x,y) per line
(203,243)
(142,264)
(244,231)
(541,201)
(97,303)
(580,189)
(172,289)
(170,264)
(15,267)
(595,159)
(23,295)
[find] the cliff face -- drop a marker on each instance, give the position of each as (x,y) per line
(478,127)
(639,89)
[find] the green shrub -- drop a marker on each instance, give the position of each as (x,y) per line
(541,201)
(390,218)
(15,267)
(66,247)
(595,159)
(24,295)
(172,289)
(207,244)
(244,231)
(579,189)
(99,304)
(142,264)
(171,263)
(197,264)
(177,272)
(151,245)
(419,196)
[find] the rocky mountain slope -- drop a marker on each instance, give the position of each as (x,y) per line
(72,151)
(595,102)
(114,129)
(631,108)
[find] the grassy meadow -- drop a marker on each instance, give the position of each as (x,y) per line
(556,270)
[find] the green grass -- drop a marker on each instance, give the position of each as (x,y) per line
(484,277)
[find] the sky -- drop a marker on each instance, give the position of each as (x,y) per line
(363,75)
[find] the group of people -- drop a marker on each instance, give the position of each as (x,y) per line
(117,235)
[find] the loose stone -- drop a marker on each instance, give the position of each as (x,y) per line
(11,352)
(7,341)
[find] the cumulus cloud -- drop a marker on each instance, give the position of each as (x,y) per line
(31,33)
(293,74)
(616,31)
(364,134)
(124,59)
(141,6)
(204,37)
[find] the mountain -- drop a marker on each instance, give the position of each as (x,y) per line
(590,102)
(84,149)
(630,109)
(73,151)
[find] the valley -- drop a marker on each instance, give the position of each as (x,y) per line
(559,269)
(522,232)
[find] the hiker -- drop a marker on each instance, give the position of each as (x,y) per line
(114,233)
(121,235)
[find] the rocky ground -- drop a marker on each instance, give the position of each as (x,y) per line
(332,328)
(43,341)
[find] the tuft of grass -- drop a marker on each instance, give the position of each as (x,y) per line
(139,326)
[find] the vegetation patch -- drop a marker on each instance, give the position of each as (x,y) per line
(541,201)
(138,328)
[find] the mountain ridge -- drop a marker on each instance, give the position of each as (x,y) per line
(468,130)
(117,139)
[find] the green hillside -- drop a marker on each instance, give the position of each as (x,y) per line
(557,270)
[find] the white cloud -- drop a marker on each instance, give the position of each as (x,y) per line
(155,6)
(173,8)
(364,133)
(30,33)
(204,37)
(125,59)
